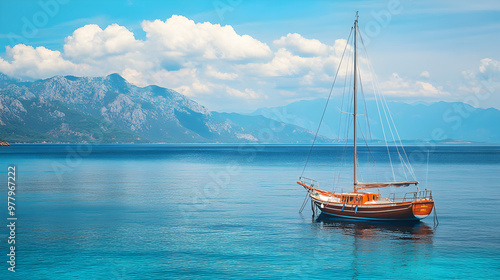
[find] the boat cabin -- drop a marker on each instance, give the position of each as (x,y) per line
(358,198)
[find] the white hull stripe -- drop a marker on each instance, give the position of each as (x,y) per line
(363,218)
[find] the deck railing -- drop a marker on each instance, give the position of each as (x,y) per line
(409,196)
(310,182)
(412,196)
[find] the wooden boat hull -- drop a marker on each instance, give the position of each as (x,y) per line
(398,211)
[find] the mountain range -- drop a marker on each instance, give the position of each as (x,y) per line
(68,109)
(439,122)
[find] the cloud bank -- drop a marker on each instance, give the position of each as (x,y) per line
(208,62)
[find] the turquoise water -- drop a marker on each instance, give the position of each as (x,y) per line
(194,212)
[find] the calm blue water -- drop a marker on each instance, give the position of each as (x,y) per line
(194,212)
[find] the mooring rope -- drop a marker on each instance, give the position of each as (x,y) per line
(304,203)
(436,220)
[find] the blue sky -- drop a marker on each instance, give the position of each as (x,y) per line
(426,51)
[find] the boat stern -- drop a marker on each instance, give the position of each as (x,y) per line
(422,208)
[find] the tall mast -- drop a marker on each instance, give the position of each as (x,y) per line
(355,104)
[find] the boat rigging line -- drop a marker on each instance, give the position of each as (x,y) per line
(326,105)
(405,162)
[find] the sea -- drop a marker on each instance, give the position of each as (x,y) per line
(164,211)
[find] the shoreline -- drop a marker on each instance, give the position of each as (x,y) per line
(265,144)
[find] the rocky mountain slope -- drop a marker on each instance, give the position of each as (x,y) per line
(110,110)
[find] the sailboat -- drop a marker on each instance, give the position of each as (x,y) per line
(362,204)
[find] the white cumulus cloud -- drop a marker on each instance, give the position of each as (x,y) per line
(219,75)
(39,62)
(404,87)
(479,87)
(180,36)
(90,41)
(425,74)
(246,94)
(490,69)
(302,46)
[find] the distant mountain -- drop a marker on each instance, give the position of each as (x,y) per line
(439,122)
(110,110)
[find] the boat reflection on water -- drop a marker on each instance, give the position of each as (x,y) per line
(361,248)
(409,230)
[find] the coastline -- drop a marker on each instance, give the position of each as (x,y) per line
(414,144)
